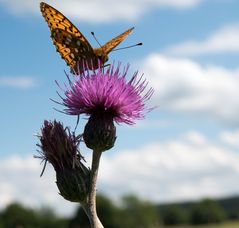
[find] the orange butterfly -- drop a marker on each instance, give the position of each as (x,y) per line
(72,45)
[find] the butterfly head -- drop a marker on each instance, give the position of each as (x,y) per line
(101,54)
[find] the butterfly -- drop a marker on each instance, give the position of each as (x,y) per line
(73,47)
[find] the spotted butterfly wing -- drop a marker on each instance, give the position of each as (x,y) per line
(72,45)
(61,31)
(71,49)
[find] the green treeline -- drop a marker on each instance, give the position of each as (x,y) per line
(131,212)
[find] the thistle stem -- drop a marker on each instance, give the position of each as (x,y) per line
(89,205)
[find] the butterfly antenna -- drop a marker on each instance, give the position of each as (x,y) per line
(93,34)
(138,44)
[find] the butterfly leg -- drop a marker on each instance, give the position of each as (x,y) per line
(107,65)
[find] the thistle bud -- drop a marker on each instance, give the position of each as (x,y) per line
(100,133)
(60,147)
(73,184)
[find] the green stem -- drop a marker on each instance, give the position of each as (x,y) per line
(90,205)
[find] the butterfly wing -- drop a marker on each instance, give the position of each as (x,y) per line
(109,46)
(70,47)
(68,40)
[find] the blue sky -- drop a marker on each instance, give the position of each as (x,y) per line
(189,55)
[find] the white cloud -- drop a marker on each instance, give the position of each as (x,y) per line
(230,138)
(99,11)
(20,181)
(224,40)
(182,85)
(188,167)
(17,82)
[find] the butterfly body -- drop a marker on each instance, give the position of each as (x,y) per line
(101,54)
(73,47)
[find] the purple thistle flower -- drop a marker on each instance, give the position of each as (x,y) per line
(110,93)
(60,147)
(106,97)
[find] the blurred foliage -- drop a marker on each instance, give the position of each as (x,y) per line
(231,207)
(130,212)
(206,212)
(138,213)
(174,215)
(17,216)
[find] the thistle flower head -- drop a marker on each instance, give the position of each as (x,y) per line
(60,147)
(108,93)
(106,97)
